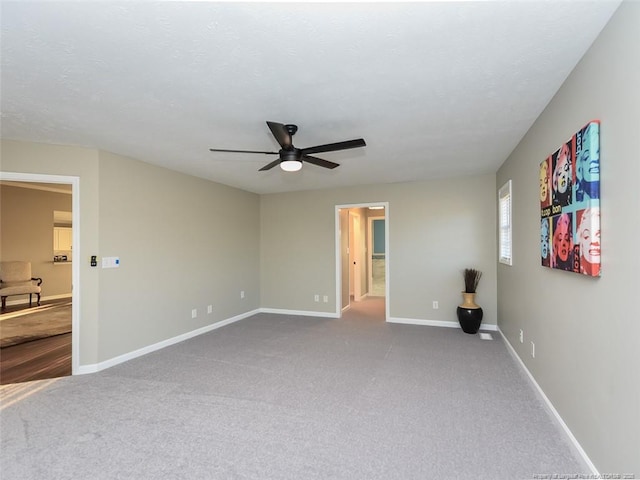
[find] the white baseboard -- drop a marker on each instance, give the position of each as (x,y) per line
(96,367)
(551,408)
(25,300)
(436,323)
(303,313)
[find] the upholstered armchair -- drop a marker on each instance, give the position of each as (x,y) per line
(16,279)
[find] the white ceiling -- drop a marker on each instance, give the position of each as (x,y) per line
(436,89)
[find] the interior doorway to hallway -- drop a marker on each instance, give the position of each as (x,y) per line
(362,260)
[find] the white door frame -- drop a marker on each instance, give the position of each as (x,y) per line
(338,253)
(77,257)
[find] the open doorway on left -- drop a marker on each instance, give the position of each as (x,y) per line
(36,225)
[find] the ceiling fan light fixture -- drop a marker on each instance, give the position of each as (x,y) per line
(291,165)
(290,158)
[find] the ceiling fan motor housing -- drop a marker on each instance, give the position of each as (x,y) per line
(291,155)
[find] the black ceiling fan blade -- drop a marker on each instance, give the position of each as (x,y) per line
(320,162)
(332,147)
(281,133)
(240,151)
(269,166)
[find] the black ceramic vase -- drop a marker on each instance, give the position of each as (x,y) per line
(469,314)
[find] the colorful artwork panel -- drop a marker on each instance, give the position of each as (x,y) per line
(570,204)
(545,249)
(562,245)
(562,174)
(587,247)
(545,185)
(587,171)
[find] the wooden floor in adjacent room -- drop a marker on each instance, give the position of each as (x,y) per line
(36,359)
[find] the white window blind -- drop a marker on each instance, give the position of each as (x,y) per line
(504,213)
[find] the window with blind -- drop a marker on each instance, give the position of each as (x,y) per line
(504,216)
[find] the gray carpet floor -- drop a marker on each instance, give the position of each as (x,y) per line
(288,397)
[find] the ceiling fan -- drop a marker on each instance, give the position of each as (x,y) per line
(291,158)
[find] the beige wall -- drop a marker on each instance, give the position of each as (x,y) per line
(183,242)
(436,229)
(587,338)
(26,233)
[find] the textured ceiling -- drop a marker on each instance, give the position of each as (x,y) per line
(436,89)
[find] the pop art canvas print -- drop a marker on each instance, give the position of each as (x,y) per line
(570,204)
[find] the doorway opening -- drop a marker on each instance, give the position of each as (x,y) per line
(362,259)
(43,341)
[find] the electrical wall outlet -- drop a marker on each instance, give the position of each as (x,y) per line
(194,313)
(533,350)
(325,298)
(242,294)
(316,298)
(435,305)
(209,308)
(521,336)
